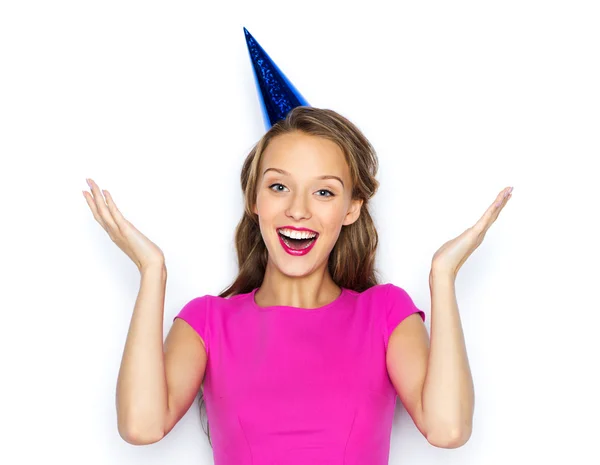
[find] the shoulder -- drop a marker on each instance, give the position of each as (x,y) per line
(396,293)
(390,299)
(376,298)
(215,302)
(381,292)
(373,291)
(399,304)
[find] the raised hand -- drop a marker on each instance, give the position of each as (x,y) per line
(451,256)
(141,250)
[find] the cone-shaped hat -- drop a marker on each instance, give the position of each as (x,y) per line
(276,93)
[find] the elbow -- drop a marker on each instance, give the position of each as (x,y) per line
(450,438)
(139,437)
(137,429)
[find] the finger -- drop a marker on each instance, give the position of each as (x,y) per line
(507,194)
(492,212)
(487,218)
(114,211)
(90,201)
(101,207)
(500,206)
(502,196)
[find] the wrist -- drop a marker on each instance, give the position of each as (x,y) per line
(154,269)
(436,275)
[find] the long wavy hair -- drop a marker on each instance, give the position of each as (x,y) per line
(351,262)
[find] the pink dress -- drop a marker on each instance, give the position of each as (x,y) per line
(292,386)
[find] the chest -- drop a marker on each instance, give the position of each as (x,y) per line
(287,357)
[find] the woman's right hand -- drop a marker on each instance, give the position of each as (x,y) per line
(138,247)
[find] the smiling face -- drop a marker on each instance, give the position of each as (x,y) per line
(303,199)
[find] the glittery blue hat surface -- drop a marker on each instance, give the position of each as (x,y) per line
(277,94)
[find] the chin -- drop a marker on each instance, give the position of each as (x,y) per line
(294,270)
(294,267)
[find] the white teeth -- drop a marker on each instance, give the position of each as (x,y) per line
(297,234)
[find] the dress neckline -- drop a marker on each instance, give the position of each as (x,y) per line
(333,303)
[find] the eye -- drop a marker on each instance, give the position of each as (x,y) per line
(276,184)
(331,194)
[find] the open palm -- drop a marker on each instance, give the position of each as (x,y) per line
(450,257)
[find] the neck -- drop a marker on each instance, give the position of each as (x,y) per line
(311,291)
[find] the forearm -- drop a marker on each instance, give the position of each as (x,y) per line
(141,397)
(448,394)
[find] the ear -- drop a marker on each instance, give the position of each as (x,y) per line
(353,212)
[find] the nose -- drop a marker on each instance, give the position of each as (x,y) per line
(298,208)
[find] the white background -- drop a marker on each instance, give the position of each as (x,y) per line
(156,101)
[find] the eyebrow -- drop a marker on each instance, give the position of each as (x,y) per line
(285,173)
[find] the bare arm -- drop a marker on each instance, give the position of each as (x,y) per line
(448,395)
(157,383)
(141,398)
(433,378)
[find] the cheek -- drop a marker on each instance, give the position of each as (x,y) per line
(332,219)
(264,206)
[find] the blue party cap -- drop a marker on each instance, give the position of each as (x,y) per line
(277,94)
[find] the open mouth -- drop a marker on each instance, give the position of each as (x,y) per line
(297,240)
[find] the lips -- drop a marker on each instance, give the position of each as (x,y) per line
(294,228)
(297,241)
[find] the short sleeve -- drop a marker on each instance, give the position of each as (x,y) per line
(195,313)
(398,306)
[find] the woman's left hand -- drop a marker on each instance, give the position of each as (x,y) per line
(451,256)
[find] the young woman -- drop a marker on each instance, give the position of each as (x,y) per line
(302,357)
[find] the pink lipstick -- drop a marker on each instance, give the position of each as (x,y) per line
(297,241)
